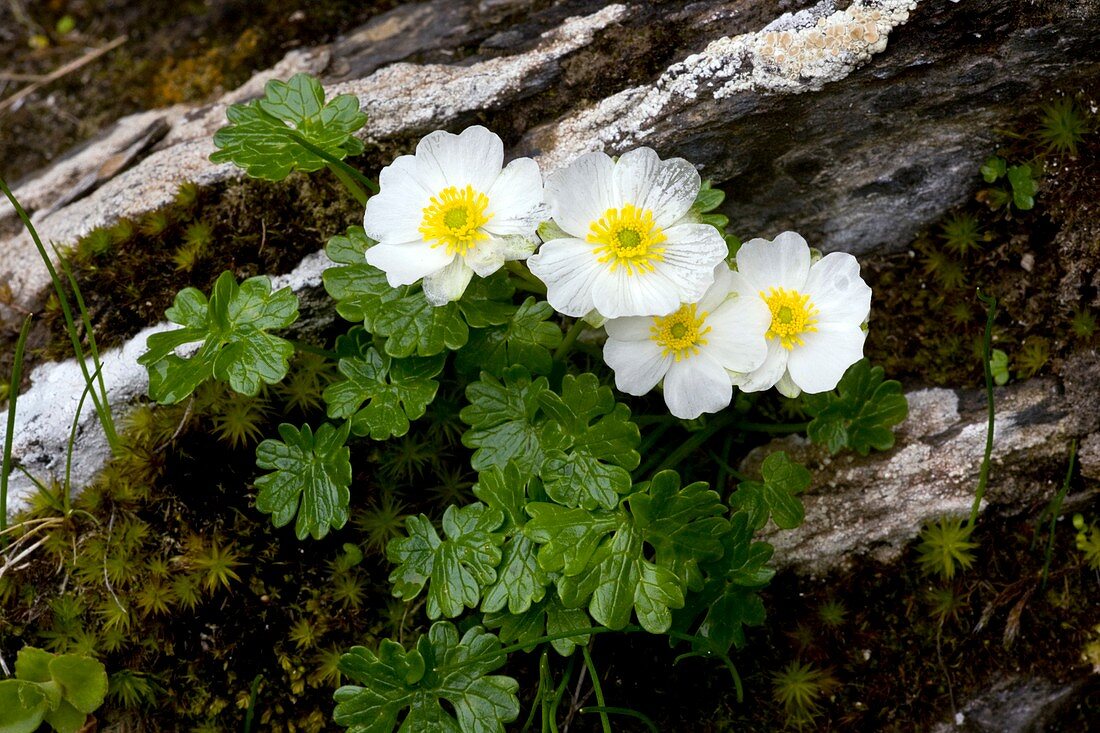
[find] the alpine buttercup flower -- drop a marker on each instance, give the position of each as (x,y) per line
(629,251)
(817,314)
(693,349)
(450,211)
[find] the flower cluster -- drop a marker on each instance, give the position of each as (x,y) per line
(626,251)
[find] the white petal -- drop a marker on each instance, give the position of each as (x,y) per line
(837,291)
(489,256)
(473,157)
(782,263)
(569,269)
(667,188)
(736,339)
(691,254)
(516,199)
(719,290)
(631,328)
(395,213)
(696,385)
(404,264)
(449,283)
(770,372)
(821,361)
(580,193)
(786,386)
(617,294)
(638,365)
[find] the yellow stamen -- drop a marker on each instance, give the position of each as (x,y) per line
(680,334)
(454,219)
(792,315)
(627,237)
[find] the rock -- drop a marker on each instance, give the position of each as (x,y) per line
(876,504)
(1015,705)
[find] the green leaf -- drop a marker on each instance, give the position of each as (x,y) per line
(601,439)
(546,618)
(501,416)
(442,667)
(728,600)
(1024,186)
(83,681)
(993,168)
(232,327)
(684,526)
(526,339)
(311,470)
(776,495)
(708,198)
(263,136)
(33,664)
(456,568)
(603,559)
(998,365)
(395,390)
(860,414)
(66,719)
(23,706)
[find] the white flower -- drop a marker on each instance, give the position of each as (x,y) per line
(450,211)
(817,313)
(694,349)
(629,252)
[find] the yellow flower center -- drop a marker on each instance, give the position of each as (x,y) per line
(627,237)
(792,315)
(454,219)
(680,334)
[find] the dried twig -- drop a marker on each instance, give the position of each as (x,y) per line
(60,72)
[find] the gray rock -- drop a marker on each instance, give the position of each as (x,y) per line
(1016,705)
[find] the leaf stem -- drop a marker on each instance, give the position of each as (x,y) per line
(781,428)
(595,676)
(570,339)
(332,160)
(102,405)
(689,446)
(349,183)
(983,476)
(9,435)
(530,282)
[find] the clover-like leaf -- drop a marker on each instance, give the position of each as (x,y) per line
(454,568)
(395,390)
(83,681)
(312,473)
(775,495)
(860,414)
(993,168)
(501,416)
(442,667)
(1024,186)
(272,136)
(232,327)
(591,444)
(526,339)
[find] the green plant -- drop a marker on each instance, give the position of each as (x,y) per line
(381,521)
(1062,126)
(961,233)
(238,419)
(197,239)
(1088,540)
(1083,323)
(832,613)
(215,563)
(946,547)
(799,688)
(1032,357)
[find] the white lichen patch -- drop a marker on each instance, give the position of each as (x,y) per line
(797,52)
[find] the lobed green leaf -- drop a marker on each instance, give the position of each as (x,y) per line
(860,413)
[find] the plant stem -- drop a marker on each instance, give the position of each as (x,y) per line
(332,160)
(782,428)
(570,338)
(533,284)
(983,477)
(9,435)
(693,443)
(102,409)
(1056,508)
(349,183)
(604,722)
